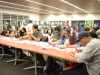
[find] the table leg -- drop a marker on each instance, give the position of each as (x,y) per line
(16,58)
(35,61)
(3,54)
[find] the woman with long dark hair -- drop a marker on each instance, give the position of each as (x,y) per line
(71,36)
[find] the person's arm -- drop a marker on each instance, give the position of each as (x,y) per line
(12,34)
(29,38)
(97,32)
(84,56)
(72,53)
(38,38)
(71,46)
(53,43)
(24,37)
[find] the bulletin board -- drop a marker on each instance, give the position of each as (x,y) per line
(89,23)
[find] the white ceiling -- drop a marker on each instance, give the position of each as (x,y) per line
(53,6)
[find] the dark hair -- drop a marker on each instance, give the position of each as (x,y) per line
(57,28)
(51,28)
(82,25)
(67,30)
(10,31)
(73,39)
(95,28)
(86,29)
(64,27)
(35,26)
(30,21)
(24,29)
(62,36)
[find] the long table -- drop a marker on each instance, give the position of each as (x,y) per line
(36,49)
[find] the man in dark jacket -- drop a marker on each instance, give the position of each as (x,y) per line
(91,32)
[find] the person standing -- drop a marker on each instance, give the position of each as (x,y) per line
(29,27)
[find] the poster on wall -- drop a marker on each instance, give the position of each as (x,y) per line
(89,23)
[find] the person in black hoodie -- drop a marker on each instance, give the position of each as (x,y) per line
(91,32)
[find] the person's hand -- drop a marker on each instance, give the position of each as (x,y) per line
(30,34)
(50,43)
(72,52)
(29,38)
(20,38)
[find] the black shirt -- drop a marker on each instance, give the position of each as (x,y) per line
(4,32)
(93,34)
(21,33)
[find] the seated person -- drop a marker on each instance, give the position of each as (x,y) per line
(50,30)
(59,42)
(70,43)
(71,36)
(90,56)
(11,34)
(68,39)
(5,32)
(91,32)
(21,32)
(57,35)
(37,36)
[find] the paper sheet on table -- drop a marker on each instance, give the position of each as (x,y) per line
(69,49)
(22,42)
(59,49)
(45,45)
(15,39)
(6,38)
(41,44)
(9,38)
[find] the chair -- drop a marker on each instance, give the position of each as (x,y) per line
(71,66)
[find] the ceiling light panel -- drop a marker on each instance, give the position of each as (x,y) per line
(19,9)
(26,6)
(31,1)
(75,6)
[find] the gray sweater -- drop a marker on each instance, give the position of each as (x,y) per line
(91,57)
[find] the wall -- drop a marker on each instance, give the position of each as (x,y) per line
(69,17)
(32,16)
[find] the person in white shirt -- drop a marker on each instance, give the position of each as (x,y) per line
(29,27)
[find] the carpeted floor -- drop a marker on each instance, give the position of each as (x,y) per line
(10,69)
